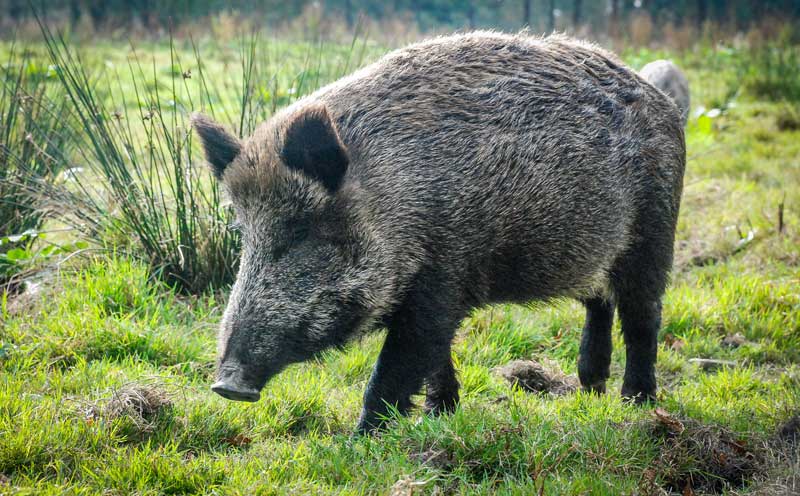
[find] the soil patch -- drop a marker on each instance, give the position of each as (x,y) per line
(789,431)
(545,377)
(702,458)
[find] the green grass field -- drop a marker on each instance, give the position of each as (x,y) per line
(105,373)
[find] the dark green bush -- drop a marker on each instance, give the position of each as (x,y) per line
(771,72)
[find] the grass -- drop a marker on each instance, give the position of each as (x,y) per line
(34,139)
(75,359)
(31,137)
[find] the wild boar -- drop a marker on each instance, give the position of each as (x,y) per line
(451,174)
(666,76)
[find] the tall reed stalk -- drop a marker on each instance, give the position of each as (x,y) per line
(34,136)
(142,187)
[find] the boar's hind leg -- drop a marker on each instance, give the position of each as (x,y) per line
(639,280)
(640,323)
(416,346)
(594,360)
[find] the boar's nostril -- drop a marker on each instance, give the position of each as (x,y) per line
(234,392)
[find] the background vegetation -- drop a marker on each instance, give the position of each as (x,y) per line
(116,270)
(576,15)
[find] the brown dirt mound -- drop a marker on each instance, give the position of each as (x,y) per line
(782,474)
(697,457)
(545,377)
(789,431)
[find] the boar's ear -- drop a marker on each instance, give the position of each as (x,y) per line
(220,146)
(313,147)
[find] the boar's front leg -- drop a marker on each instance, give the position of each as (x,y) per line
(442,388)
(594,361)
(417,348)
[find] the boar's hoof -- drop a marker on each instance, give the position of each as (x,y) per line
(598,387)
(441,404)
(638,397)
(235,393)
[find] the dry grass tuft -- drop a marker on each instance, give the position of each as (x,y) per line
(138,404)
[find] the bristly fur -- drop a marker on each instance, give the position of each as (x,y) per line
(456,172)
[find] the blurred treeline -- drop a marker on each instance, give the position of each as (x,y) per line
(614,17)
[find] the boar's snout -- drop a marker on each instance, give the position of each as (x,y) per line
(231,385)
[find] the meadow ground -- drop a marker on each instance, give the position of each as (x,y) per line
(104,373)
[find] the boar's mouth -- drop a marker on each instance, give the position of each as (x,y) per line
(231,386)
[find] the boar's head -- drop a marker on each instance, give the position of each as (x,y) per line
(303,282)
